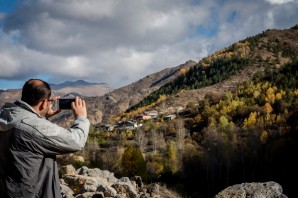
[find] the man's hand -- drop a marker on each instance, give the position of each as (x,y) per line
(79,108)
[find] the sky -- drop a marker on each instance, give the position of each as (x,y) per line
(119,42)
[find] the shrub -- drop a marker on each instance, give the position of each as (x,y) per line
(133,162)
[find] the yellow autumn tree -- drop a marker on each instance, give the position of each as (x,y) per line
(182,71)
(265,85)
(155,165)
(223,121)
(270,96)
(171,158)
(162,98)
(264,136)
(268,108)
(278,96)
(251,120)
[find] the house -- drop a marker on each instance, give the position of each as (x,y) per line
(148,116)
(126,125)
(169,117)
(152,115)
(130,125)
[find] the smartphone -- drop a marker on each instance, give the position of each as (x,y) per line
(65,103)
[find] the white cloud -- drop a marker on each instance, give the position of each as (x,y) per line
(270,19)
(279,1)
(119,42)
(9,64)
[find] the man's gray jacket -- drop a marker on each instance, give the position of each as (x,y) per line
(29,144)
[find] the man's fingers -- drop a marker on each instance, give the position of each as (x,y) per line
(79,107)
(78,101)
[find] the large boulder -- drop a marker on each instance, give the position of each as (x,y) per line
(254,190)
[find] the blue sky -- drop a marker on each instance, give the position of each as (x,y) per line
(7,5)
(119,42)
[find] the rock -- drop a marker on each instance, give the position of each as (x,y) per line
(66,191)
(96,183)
(254,190)
(107,191)
(125,186)
(67,170)
(153,189)
(138,181)
(82,171)
(90,195)
(77,158)
(93,183)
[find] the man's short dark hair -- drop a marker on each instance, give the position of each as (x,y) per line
(35,91)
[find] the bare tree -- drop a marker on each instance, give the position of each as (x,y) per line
(154,139)
(112,159)
(141,139)
(180,133)
(158,140)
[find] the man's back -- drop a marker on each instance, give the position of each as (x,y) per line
(28,172)
(29,145)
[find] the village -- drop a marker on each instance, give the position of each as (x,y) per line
(136,122)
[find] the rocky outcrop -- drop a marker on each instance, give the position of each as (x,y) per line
(267,189)
(96,183)
(85,183)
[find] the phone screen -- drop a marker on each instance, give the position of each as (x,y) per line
(65,103)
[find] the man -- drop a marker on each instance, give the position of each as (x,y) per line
(29,142)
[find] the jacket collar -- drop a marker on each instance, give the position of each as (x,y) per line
(25,106)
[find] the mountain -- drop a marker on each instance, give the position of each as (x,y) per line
(184,84)
(81,88)
(104,108)
(65,89)
(226,69)
(9,95)
(77,83)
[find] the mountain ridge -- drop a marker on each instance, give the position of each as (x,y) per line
(113,103)
(66,89)
(74,84)
(261,48)
(104,108)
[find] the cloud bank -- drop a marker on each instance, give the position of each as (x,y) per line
(118,42)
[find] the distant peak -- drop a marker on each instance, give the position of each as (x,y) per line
(74,84)
(81,81)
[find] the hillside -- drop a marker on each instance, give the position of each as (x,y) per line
(228,68)
(236,120)
(9,96)
(269,49)
(106,107)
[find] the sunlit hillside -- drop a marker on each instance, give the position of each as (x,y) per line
(231,118)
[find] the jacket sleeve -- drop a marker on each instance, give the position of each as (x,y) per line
(54,140)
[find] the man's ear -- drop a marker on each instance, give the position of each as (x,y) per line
(43,105)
